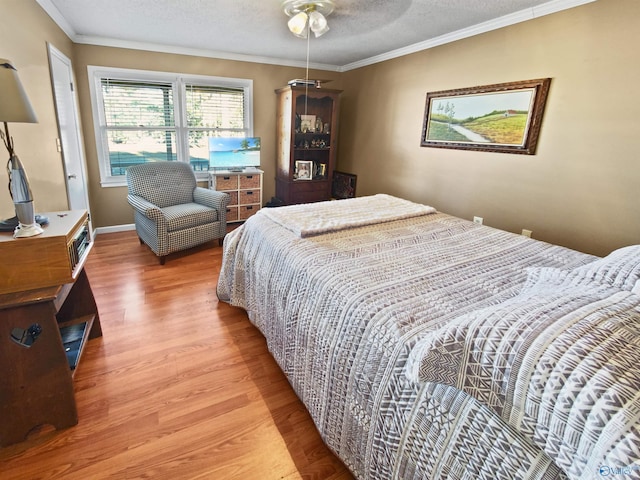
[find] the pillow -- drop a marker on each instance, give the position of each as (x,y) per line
(620,269)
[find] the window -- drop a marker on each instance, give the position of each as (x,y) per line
(153,116)
(212,112)
(139,123)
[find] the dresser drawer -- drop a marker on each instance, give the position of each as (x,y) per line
(226,182)
(250,181)
(249,196)
(247,210)
(234,197)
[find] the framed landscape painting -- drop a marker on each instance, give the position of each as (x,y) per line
(505,117)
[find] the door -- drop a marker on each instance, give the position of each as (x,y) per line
(70,141)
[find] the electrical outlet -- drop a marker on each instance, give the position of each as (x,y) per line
(526,233)
(477,220)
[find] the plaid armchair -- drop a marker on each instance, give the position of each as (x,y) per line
(171,212)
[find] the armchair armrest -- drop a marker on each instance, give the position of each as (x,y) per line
(211,198)
(145,207)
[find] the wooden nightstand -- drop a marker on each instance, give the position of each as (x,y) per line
(47,314)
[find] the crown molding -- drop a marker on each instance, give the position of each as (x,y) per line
(62,22)
(57,17)
(153,47)
(507,20)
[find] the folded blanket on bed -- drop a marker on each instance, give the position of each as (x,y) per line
(338,215)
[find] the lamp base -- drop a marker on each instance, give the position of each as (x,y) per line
(23,230)
(10,224)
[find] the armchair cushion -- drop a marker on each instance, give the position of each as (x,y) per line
(162,183)
(188,215)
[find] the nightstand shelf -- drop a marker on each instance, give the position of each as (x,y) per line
(74,335)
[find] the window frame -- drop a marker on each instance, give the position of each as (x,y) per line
(181,128)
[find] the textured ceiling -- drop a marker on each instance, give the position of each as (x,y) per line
(361,31)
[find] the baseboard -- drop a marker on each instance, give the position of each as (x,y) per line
(114,229)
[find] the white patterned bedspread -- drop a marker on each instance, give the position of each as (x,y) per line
(347,314)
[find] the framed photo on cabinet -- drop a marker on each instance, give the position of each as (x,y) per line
(304,170)
(308,123)
(320,170)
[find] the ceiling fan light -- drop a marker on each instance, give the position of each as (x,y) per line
(298,24)
(314,12)
(318,23)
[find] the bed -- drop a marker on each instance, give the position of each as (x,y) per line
(426,346)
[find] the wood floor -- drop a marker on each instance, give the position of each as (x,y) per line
(180,386)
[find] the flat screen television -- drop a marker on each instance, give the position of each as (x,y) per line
(234,152)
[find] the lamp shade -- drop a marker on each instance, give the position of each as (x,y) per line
(15,107)
(14,104)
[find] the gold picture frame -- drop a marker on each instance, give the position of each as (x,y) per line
(504,117)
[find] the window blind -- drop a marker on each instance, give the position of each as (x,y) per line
(137,104)
(212,107)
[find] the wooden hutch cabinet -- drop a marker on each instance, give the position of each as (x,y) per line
(307,129)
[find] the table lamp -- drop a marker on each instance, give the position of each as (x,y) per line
(15,107)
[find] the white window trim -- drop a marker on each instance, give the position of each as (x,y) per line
(178,81)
